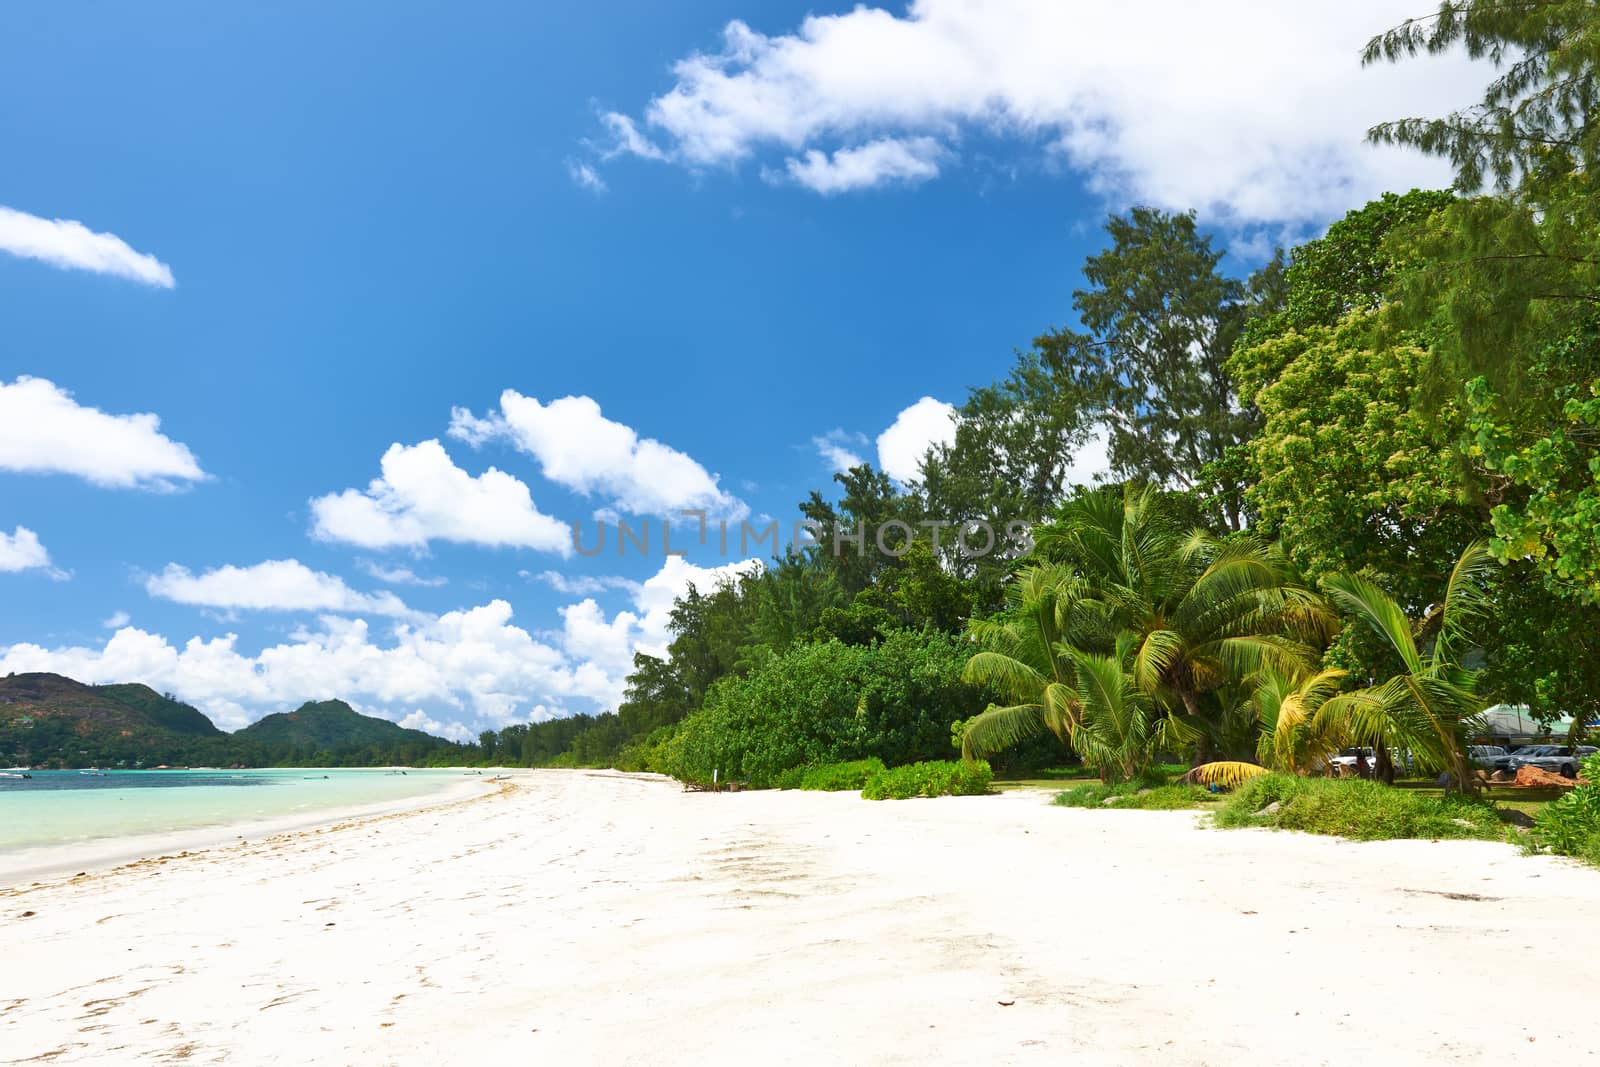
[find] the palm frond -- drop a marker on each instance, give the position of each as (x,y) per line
(1378,610)
(997,729)
(1227,773)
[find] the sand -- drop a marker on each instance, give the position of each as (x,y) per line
(579,917)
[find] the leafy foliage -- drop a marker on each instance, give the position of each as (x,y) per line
(837,777)
(826,703)
(938,778)
(1571,826)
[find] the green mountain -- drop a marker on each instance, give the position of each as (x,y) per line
(165,711)
(47,716)
(328,724)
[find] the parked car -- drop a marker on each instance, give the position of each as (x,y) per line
(1491,758)
(1557,759)
(1345,763)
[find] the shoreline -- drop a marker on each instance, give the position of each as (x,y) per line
(39,865)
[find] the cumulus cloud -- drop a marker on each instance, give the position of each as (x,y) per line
(456,673)
(117,620)
(918,428)
(43,430)
(886,161)
(453,731)
(1247,111)
(579,448)
(272,585)
(839,449)
(73,246)
(423,496)
(21,551)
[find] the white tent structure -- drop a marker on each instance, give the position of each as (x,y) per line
(1512,721)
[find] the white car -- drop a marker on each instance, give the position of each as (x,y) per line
(1490,757)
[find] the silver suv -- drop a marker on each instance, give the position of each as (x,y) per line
(1557,759)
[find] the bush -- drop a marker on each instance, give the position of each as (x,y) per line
(1571,826)
(932,779)
(834,777)
(1358,809)
(828,703)
(1133,795)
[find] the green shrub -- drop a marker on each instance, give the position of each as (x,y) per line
(1134,795)
(935,778)
(834,777)
(789,779)
(1571,826)
(1356,808)
(828,703)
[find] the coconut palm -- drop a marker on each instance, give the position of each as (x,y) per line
(1203,613)
(1291,739)
(1430,707)
(1025,660)
(1086,698)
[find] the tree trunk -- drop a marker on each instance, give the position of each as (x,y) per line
(1203,752)
(1383,764)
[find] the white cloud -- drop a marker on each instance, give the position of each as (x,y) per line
(581,584)
(1249,112)
(916,429)
(43,430)
(421,720)
(626,138)
(272,585)
(839,449)
(585,176)
(423,496)
(21,551)
(456,674)
(399,575)
(886,161)
(117,620)
(73,246)
(579,448)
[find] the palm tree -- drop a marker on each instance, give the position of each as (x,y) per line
(1086,698)
(1202,613)
(1291,739)
(1025,660)
(1430,707)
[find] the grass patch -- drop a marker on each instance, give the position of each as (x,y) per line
(1358,809)
(836,777)
(1133,795)
(932,779)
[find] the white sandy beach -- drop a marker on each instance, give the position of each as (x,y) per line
(584,917)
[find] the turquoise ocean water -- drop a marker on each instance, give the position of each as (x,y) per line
(62,807)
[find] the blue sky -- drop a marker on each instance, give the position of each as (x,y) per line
(312,233)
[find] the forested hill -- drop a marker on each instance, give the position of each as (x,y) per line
(163,711)
(328,724)
(51,720)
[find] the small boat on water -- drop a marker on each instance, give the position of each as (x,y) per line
(9,774)
(96,772)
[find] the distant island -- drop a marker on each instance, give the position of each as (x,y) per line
(48,720)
